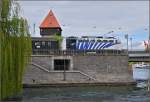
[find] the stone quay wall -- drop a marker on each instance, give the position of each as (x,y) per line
(82,69)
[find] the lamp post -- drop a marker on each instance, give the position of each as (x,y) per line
(64,78)
(149,57)
(131,43)
(149,44)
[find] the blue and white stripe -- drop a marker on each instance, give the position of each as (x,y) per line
(91,45)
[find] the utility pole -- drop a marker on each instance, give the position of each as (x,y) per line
(34,28)
(149,43)
(149,57)
(126,37)
(131,43)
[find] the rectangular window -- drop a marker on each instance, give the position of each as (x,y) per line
(43,43)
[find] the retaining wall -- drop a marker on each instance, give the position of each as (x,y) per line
(83,69)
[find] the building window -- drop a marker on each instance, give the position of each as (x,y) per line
(49,43)
(43,43)
(41,30)
(105,40)
(37,44)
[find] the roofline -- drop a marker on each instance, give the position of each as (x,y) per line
(49,27)
(50,11)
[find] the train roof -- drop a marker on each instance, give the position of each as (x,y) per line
(102,37)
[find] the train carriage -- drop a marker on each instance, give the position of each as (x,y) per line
(90,42)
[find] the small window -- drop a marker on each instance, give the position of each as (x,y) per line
(41,30)
(105,40)
(37,43)
(43,43)
(49,43)
(38,46)
(111,41)
(92,40)
(98,40)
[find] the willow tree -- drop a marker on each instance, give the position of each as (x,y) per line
(59,39)
(15,49)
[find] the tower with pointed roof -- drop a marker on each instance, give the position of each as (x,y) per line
(50,25)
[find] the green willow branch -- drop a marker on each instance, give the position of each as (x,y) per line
(15,49)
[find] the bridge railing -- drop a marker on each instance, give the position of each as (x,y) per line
(78,52)
(138,52)
(139,59)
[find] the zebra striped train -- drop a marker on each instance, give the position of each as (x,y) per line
(90,42)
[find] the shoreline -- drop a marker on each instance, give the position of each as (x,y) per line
(79,84)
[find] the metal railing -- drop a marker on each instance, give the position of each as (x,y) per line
(138,52)
(78,52)
(139,59)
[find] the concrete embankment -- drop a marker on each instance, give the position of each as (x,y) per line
(81,70)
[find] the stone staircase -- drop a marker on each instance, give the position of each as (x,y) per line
(37,74)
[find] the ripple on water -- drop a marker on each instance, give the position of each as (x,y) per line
(86,94)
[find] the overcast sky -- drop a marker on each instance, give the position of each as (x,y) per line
(96,18)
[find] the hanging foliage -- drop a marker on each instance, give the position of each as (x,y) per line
(15,49)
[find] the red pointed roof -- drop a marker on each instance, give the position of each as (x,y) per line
(50,21)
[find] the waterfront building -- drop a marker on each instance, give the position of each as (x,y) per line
(49,28)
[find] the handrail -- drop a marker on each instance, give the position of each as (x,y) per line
(137,52)
(41,67)
(87,75)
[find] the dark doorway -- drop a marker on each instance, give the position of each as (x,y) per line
(61,64)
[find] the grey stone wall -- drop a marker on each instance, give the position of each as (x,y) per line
(101,64)
(44,61)
(104,68)
(83,69)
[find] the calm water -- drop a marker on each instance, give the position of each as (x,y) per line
(86,94)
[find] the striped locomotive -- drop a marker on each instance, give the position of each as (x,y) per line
(90,42)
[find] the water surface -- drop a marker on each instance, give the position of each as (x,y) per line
(86,94)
